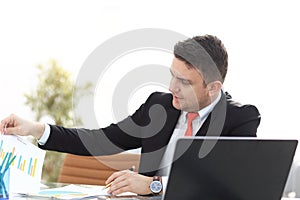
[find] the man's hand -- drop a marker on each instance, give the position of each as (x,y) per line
(18,126)
(128,181)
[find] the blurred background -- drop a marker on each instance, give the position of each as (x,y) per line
(262,39)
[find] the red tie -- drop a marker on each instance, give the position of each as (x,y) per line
(191,117)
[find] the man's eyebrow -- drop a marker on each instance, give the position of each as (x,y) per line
(180,78)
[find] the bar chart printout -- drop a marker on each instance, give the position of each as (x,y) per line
(26,168)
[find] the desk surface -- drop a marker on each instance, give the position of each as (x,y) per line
(19,197)
(120,198)
(61,185)
(55,185)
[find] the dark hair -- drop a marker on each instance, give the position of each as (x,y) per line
(207,54)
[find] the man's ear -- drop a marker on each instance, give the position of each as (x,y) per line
(214,88)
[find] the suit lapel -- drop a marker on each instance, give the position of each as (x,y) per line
(203,130)
(214,123)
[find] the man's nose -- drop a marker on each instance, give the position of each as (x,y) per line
(174,86)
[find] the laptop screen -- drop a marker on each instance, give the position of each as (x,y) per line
(229,168)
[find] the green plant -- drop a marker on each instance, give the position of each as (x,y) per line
(53,97)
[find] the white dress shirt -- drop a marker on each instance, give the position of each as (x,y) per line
(179,132)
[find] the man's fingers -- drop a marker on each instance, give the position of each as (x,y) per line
(128,181)
(7,123)
(121,180)
(11,130)
(4,126)
(18,126)
(114,176)
(119,185)
(121,190)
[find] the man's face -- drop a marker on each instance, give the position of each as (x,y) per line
(187,86)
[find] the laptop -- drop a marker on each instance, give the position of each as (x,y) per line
(222,168)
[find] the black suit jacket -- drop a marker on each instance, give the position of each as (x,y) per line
(150,128)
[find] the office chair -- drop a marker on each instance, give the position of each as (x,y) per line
(95,170)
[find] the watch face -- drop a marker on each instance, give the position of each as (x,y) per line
(156,186)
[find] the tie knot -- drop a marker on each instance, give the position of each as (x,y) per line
(192,115)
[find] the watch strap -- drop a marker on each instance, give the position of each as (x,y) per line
(157,178)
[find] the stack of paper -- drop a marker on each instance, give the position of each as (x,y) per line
(73,192)
(70,192)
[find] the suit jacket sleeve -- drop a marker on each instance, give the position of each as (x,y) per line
(104,141)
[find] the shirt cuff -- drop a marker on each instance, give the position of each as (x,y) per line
(45,135)
(164,180)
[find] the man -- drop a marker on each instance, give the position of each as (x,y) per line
(198,71)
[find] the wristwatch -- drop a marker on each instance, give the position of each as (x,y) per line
(156,185)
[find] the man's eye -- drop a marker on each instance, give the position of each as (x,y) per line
(185,82)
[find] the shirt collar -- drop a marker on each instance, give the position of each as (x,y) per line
(204,112)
